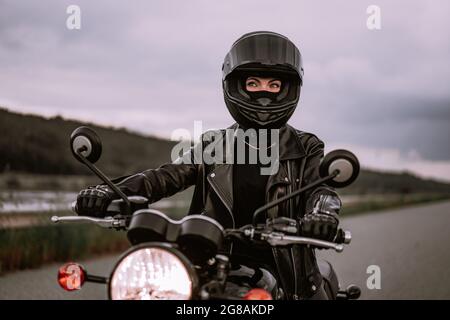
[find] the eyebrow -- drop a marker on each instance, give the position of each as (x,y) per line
(256,79)
(252,78)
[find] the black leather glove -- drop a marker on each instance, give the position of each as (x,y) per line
(94,201)
(320,226)
(322,223)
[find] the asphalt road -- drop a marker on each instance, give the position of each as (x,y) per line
(411,246)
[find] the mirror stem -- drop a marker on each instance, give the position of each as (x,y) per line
(96,279)
(105,179)
(293,194)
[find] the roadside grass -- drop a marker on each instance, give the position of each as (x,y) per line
(33,246)
(30,240)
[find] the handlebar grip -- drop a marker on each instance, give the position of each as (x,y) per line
(118,206)
(114,206)
(343,236)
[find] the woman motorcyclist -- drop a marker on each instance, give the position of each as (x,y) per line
(262,80)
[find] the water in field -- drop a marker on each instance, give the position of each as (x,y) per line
(35,201)
(45,201)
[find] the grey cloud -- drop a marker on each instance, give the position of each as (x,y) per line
(155,66)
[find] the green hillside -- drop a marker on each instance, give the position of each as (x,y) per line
(33,144)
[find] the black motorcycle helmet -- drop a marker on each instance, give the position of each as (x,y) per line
(263,54)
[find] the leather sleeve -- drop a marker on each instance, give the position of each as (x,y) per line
(323,198)
(168,179)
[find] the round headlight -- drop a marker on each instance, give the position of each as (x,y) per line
(152,273)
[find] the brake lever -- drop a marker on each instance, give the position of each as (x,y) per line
(107,222)
(280,239)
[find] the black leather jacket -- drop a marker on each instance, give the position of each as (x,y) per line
(300,155)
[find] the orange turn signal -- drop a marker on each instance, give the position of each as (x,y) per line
(258,294)
(71,276)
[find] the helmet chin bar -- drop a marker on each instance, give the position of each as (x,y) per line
(251,120)
(252,115)
(264,119)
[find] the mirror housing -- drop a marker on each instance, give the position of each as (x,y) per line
(86,141)
(343,161)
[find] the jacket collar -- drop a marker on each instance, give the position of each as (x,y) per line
(290,146)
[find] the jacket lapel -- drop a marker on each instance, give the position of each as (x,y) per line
(221,180)
(290,148)
(221,177)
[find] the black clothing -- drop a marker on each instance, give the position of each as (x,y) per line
(318,225)
(300,154)
(249,185)
(94,201)
(249,192)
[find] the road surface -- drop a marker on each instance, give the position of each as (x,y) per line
(411,246)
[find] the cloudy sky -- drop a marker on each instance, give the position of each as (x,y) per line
(155,66)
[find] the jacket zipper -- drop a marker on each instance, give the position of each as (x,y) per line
(291,209)
(230,212)
(274,250)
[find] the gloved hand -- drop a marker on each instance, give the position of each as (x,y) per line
(322,223)
(94,201)
(319,225)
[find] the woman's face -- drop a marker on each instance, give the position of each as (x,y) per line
(253,84)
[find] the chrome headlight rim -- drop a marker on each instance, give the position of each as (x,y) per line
(171,248)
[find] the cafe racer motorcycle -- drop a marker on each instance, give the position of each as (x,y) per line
(179,260)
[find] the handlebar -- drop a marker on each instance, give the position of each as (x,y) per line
(274,238)
(116,207)
(343,236)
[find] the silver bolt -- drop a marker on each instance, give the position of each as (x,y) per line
(213,175)
(204,295)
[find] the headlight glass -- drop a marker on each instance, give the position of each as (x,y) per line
(151,274)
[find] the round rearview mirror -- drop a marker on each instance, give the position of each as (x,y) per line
(345,163)
(85,141)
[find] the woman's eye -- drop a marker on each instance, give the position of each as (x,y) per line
(275,85)
(251,84)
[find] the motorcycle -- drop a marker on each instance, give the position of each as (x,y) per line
(181,259)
